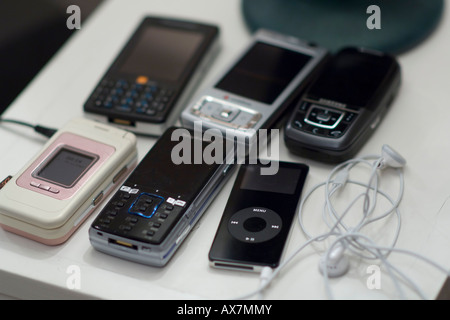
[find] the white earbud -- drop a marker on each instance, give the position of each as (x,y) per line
(391,158)
(336,263)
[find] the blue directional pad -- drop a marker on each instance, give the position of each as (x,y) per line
(146,205)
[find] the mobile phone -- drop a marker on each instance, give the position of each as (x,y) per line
(65,182)
(344,105)
(157,206)
(255,90)
(256,223)
(154,75)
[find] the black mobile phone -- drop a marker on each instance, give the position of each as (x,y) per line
(154,75)
(344,105)
(258,216)
(159,203)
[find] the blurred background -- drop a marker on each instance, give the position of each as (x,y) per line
(31,32)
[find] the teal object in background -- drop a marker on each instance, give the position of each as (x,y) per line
(337,23)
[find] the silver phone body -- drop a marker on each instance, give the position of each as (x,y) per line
(238,114)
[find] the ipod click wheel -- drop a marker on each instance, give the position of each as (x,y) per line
(255,225)
(258,216)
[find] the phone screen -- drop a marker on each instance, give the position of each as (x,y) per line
(162,53)
(284,181)
(352,78)
(66,167)
(264,72)
(158,170)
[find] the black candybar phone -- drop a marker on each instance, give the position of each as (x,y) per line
(159,203)
(258,216)
(154,75)
(344,105)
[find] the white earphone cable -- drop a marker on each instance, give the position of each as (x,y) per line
(352,238)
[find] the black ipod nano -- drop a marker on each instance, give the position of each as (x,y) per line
(258,216)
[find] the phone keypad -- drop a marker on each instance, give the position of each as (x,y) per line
(146,205)
(141,216)
(322,121)
(141,96)
(324,117)
(227,113)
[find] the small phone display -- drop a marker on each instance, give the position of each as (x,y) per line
(149,56)
(264,72)
(284,181)
(66,166)
(344,105)
(154,74)
(257,219)
(353,78)
(183,181)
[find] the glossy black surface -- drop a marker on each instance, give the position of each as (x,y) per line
(256,223)
(158,192)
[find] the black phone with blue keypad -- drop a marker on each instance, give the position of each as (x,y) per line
(154,75)
(157,206)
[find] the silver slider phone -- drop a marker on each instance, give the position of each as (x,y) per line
(257,87)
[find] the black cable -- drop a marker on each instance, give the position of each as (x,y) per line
(48,132)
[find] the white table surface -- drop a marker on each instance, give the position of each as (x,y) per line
(417,126)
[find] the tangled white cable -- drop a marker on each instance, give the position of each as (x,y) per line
(334,263)
(345,238)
